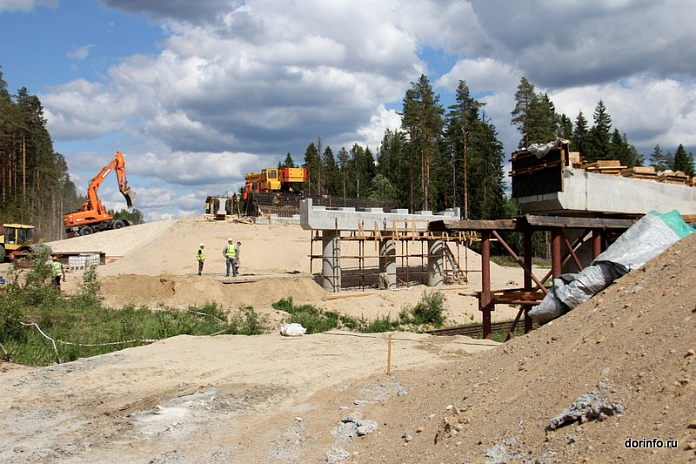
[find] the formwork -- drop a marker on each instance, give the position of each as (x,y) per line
(360,258)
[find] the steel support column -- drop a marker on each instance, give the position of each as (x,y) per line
(485,300)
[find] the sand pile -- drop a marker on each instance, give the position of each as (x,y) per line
(632,345)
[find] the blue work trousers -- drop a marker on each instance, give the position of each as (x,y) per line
(231,263)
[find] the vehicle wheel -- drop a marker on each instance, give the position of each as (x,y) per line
(119,224)
(86,230)
(2,253)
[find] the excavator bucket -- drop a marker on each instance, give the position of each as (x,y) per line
(129,196)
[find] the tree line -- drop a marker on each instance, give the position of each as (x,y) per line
(451,157)
(536,119)
(35,186)
(438,158)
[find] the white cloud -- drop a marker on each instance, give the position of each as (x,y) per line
(372,134)
(25,5)
(649,110)
(80,53)
(561,44)
(482,75)
(237,85)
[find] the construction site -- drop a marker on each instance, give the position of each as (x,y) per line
(612,379)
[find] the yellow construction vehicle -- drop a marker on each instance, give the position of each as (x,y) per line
(274,179)
(16,238)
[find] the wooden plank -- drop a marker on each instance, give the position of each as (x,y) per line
(470,224)
(649,170)
(604,164)
(520,295)
(577,223)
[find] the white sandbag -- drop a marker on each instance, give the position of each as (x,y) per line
(292,330)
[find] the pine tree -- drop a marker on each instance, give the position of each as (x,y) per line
(580,134)
(659,160)
(544,120)
(331,173)
(683,161)
(288,162)
(565,128)
(525,99)
(422,121)
(343,165)
(473,142)
(462,121)
(623,151)
(393,163)
(599,145)
(311,163)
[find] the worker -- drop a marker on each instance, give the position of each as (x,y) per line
(230,254)
(276,200)
(200,256)
(57,271)
(237,260)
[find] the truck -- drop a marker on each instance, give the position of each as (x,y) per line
(16,238)
(93,216)
(275,179)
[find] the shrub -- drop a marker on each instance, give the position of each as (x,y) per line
(431,309)
(381,324)
(246,322)
(312,318)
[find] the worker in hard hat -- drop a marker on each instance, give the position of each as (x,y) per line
(57,271)
(230,254)
(200,256)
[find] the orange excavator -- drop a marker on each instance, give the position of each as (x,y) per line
(93,217)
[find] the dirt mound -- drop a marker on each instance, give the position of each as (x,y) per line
(632,345)
(177,291)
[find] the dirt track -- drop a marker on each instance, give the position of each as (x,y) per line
(275,399)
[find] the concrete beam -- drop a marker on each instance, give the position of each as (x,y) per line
(348,219)
(587,192)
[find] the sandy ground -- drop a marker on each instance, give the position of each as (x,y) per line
(155,265)
(328,398)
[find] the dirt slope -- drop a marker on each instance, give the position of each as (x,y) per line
(636,340)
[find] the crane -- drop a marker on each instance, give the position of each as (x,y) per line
(93,216)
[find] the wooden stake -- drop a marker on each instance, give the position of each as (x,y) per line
(389,344)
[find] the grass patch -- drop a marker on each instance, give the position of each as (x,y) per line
(429,311)
(507,261)
(81,326)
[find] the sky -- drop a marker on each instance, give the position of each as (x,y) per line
(197,94)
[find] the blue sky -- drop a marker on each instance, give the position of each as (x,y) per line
(196,94)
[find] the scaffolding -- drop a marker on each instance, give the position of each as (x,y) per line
(360,264)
